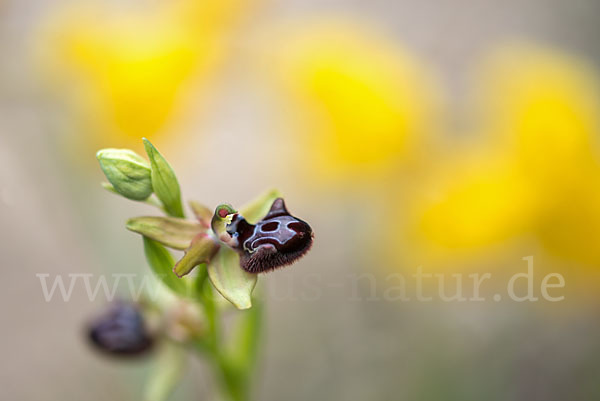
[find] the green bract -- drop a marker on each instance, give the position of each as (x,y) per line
(161,262)
(164,181)
(128,173)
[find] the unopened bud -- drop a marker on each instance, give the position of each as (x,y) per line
(127,171)
(121,331)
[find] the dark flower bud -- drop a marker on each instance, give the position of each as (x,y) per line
(121,331)
(279,239)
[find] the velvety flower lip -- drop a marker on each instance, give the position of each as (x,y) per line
(278,240)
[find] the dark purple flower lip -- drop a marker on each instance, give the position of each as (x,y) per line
(278,240)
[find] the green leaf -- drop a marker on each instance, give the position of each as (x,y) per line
(128,173)
(162,263)
(226,275)
(168,370)
(170,231)
(164,181)
(259,207)
(201,251)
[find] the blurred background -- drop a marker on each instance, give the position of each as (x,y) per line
(455,136)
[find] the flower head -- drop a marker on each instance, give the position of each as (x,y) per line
(232,246)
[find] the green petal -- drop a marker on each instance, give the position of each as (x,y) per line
(259,207)
(161,262)
(164,181)
(203,214)
(170,231)
(201,251)
(226,275)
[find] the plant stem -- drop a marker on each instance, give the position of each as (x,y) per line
(231,380)
(233,374)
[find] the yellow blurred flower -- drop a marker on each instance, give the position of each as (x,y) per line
(534,179)
(544,106)
(360,103)
(127,71)
(481,200)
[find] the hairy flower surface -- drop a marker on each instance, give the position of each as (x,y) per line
(279,239)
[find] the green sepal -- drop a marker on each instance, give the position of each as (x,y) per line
(232,282)
(170,231)
(259,207)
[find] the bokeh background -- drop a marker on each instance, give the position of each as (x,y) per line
(459,136)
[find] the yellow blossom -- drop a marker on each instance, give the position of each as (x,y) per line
(534,177)
(128,72)
(361,103)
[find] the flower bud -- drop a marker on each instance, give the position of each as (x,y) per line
(127,171)
(121,331)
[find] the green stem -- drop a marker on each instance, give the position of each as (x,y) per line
(152,201)
(233,382)
(168,369)
(232,371)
